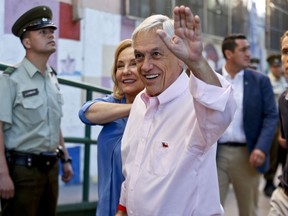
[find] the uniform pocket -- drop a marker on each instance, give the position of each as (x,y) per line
(31,109)
(32,102)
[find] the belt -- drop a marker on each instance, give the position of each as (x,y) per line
(44,161)
(232,144)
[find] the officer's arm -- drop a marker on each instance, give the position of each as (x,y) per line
(62,144)
(66,161)
(6,184)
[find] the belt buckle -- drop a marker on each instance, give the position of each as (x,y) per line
(46,161)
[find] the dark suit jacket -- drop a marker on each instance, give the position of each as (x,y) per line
(260,115)
(283,114)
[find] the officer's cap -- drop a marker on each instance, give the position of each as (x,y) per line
(274,60)
(254,60)
(36,18)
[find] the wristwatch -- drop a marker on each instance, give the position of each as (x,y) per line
(66,160)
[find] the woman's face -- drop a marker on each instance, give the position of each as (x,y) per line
(127,75)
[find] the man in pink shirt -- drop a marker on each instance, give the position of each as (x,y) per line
(169,144)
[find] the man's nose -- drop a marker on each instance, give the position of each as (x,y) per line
(147,64)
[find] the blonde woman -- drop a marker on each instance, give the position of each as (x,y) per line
(112,112)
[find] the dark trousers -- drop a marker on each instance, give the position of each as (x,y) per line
(277,156)
(36,192)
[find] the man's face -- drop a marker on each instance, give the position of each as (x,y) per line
(284,56)
(157,66)
(41,41)
(241,54)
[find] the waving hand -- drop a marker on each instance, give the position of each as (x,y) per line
(187,44)
(187,41)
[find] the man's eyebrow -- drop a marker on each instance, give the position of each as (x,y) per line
(137,51)
(149,51)
(244,47)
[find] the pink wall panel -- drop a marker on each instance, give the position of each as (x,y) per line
(69,29)
(127,27)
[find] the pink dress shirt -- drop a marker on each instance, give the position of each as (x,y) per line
(169,149)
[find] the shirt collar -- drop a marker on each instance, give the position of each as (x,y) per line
(32,70)
(226,75)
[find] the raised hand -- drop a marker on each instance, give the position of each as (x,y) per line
(186,43)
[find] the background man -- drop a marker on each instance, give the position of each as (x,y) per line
(30,114)
(277,153)
(279,199)
(243,149)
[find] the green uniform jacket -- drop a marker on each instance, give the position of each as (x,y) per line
(31,108)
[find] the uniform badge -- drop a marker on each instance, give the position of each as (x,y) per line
(30,92)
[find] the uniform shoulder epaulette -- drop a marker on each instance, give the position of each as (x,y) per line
(54,71)
(9,70)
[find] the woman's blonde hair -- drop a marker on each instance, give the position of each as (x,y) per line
(117,92)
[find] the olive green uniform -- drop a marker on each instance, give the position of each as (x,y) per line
(31,110)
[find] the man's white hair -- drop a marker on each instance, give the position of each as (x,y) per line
(155,22)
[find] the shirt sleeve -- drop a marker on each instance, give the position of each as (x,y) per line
(7,95)
(214,108)
(122,199)
(211,96)
(87,104)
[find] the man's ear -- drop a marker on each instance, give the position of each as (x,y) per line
(26,43)
(228,53)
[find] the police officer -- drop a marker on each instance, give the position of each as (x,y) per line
(277,153)
(254,63)
(276,75)
(30,114)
